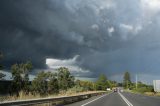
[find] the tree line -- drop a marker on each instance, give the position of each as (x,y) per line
(50,83)
(46,83)
(61,80)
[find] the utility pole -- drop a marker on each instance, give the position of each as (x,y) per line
(136,81)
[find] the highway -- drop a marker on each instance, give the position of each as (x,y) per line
(119,99)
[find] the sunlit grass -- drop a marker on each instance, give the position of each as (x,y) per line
(23,96)
(144,93)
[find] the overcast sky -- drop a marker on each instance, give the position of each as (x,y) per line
(87,36)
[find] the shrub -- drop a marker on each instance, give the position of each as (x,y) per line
(144,89)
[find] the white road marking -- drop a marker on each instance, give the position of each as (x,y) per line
(128,103)
(95,99)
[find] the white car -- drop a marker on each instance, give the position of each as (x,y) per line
(108,89)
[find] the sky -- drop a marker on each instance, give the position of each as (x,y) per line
(89,37)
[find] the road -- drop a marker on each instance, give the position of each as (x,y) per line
(119,99)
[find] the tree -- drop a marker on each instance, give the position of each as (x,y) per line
(126,80)
(17,79)
(45,82)
(2,75)
(52,83)
(20,77)
(78,83)
(111,84)
(1,67)
(65,79)
(1,56)
(87,85)
(101,83)
(39,84)
(26,68)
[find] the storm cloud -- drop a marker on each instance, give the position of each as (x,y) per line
(109,36)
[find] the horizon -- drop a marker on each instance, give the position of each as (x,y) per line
(118,79)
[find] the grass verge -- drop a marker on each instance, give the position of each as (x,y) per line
(147,93)
(23,96)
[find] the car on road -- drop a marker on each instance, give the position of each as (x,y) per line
(115,90)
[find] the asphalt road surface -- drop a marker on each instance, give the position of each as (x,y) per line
(119,99)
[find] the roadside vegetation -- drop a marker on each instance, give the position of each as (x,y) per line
(140,88)
(60,82)
(45,84)
(48,84)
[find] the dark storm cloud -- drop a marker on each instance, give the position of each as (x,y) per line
(109,35)
(38,29)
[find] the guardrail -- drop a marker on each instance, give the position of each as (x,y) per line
(50,100)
